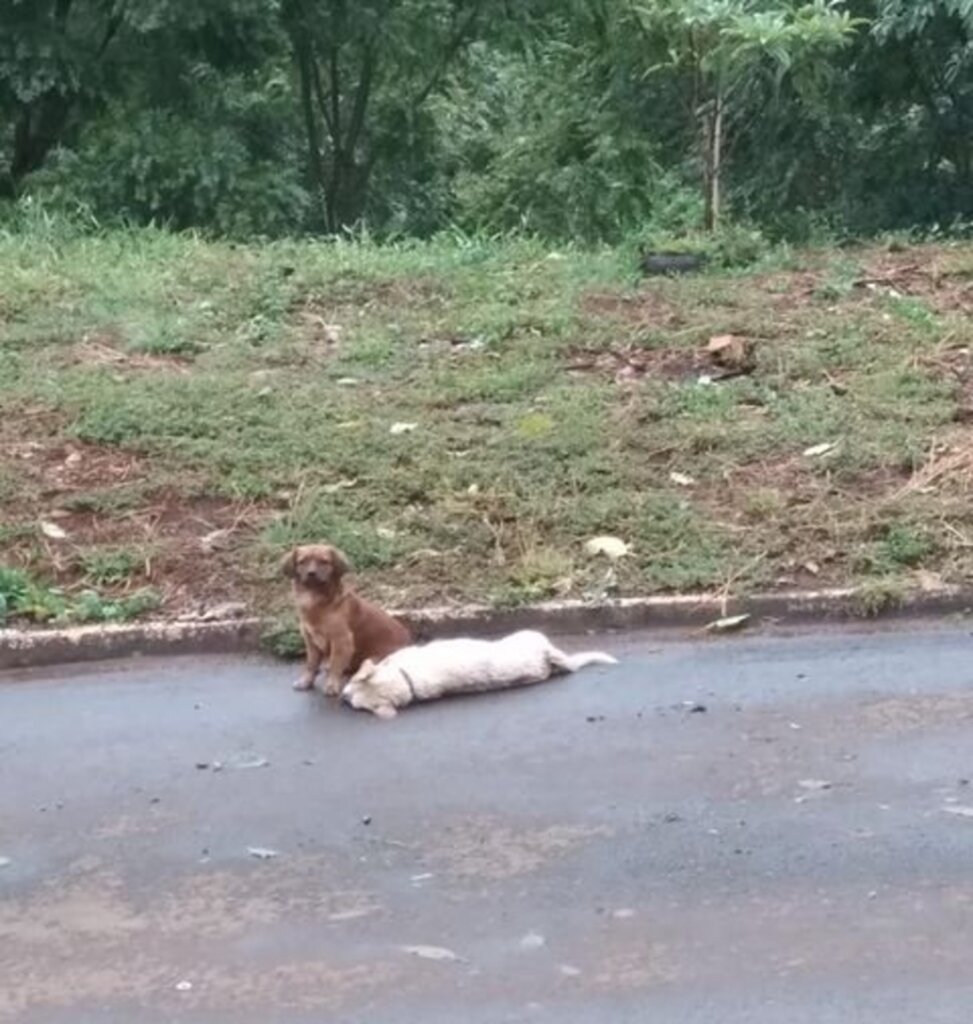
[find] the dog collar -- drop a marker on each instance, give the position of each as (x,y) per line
(409,683)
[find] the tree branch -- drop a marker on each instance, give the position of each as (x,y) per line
(305,63)
(459,36)
(356,122)
(334,73)
(321,96)
(115,20)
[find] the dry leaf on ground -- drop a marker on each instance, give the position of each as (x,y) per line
(610,547)
(728,623)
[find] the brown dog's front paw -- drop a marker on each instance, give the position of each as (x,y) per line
(332,687)
(304,683)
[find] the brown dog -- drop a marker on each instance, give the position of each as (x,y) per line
(335,622)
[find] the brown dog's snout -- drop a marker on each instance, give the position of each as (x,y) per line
(315,571)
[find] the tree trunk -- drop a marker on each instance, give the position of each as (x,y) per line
(355,179)
(42,121)
(713,162)
(37,131)
(315,160)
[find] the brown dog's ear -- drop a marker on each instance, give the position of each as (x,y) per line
(365,671)
(288,564)
(340,562)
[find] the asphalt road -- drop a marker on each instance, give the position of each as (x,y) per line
(592,850)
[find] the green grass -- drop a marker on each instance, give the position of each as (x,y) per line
(22,597)
(161,391)
(109,566)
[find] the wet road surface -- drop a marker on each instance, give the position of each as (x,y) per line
(595,849)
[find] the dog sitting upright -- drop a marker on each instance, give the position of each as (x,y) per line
(336,623)
(446,667)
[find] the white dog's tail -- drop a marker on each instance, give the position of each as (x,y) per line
(574,662)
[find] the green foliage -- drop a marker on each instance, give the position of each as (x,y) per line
(901,545)
(90,606)
(187,168)
(363,75)
(730,246)
(534,152)
(107,567)
(590,121)
(24,597)
(725,48)
(879,595)
(893,112)
(62,60)
(282,640)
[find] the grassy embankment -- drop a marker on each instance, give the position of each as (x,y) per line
(461,418)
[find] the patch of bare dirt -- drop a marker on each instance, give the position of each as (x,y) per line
(101,348)
(53,468)
(321,318)
(628,363)
(933,275)
(322,321)
(353,290)
(804,516)
(785,290)
(726,355)
(937,276)
(955,365)
(320,327)
(948,466)
(794,477)
(27,422)
(646,309)
(108,498)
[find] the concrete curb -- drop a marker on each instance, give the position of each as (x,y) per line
(44,647)
(29,648)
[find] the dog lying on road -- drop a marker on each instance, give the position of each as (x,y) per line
(336,623)
(446,667)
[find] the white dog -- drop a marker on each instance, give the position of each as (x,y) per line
(445,667)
